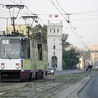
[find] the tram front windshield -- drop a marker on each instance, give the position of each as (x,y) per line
(10,48)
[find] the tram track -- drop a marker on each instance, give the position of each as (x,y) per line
(60,87)
(38,88)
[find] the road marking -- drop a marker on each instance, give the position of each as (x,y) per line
(2,93)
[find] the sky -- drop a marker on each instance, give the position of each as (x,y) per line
(82,14)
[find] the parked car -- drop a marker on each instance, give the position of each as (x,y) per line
(50,70)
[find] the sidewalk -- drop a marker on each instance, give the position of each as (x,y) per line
(72,91)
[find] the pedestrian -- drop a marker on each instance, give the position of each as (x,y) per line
(89,69)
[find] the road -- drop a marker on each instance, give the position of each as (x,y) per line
(91,89)
(48,87)
(67,71)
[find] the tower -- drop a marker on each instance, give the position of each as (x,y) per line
(54,42)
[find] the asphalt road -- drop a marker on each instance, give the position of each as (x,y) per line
(91,89)
(67,71)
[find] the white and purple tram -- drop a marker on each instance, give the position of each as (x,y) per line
(22,58)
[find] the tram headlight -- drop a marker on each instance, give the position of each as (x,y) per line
(17,65)
(2,65)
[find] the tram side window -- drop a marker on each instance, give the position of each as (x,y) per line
(40,51)
(25,48)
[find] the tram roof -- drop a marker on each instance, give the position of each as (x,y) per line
(20,36)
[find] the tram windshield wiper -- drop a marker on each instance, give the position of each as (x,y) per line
(6,53)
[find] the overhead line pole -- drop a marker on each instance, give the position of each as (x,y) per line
(14,18)
(32,17)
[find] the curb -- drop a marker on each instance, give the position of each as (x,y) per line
(72,91)
(83,83)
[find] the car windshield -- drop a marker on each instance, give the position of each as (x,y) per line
(49,68)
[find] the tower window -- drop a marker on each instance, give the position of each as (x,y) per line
(53,46)
(54,30)
(57,30)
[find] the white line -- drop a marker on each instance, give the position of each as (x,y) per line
(2,93)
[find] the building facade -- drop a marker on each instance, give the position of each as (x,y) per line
(54,42)
(94,54)
(22,29)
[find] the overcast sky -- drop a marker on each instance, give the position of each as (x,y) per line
(83,16)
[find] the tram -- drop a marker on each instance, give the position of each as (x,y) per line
(22,58)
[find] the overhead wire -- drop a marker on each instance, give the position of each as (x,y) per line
(32,12)
(68,21)
(58,10)
(64,11)
(13,1)
(79,13)
(60,14)
(86,12)
(27,8)
(76,34)
(18,3)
